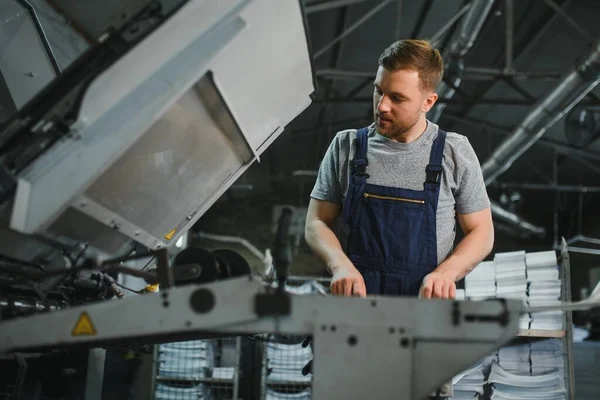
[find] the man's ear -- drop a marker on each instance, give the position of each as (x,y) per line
(429,102)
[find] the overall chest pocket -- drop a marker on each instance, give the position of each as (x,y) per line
(391,227)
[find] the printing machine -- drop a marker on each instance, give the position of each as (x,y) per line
(121,154)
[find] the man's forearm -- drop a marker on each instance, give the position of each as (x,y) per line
(471,250)
(325,244)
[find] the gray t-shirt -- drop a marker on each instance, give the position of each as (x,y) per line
(403,165)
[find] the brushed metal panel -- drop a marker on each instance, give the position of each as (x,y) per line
(176,165)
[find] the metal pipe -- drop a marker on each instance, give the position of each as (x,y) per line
(461,43)
(558,102)
(44,39)
(584,250)
(351,28)
(585,239)
(589,240)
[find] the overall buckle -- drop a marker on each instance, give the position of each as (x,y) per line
(360,167)
(433,173)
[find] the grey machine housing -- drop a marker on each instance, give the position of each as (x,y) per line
(151,141)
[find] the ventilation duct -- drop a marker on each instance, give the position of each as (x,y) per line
(552,108)
(526,229)
(582,79)
(462,42)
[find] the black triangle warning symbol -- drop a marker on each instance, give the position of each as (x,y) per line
(84,326)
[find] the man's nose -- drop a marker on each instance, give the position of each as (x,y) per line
(384,104)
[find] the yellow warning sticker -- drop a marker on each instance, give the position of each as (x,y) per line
(84,326)
(170,235)
(152,288)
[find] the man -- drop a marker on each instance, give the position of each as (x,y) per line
(399,185)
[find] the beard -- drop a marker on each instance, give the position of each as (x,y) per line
(394,128)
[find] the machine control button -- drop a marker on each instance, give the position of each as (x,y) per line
(202,301)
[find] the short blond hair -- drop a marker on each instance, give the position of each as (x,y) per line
(415,54)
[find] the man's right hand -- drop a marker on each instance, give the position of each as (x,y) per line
(347,281)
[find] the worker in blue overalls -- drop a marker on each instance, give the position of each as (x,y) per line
(398,186)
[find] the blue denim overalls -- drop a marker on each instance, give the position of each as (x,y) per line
(392,231)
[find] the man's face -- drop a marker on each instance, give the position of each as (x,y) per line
(399,101)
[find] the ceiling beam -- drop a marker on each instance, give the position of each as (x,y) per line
(318,7)
(351,28)
(488,101)
(438,35)
(421,19)
(560,11)
(471,73)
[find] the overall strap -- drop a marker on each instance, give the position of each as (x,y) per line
(358,173)
(433,170)
(360,162)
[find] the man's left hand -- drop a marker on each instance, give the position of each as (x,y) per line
(438,285)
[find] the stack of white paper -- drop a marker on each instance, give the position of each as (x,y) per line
(525,321)
(469,384)
(544,289)
(547,320)
(191,360)
(527,396)
(506,385)
(515,359)
(542,266)
(511,280)
(547,356)
(511,276)
(285,362)
(480,283)
(166,392)
(273,394)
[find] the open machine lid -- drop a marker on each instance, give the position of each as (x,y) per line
(161,131)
